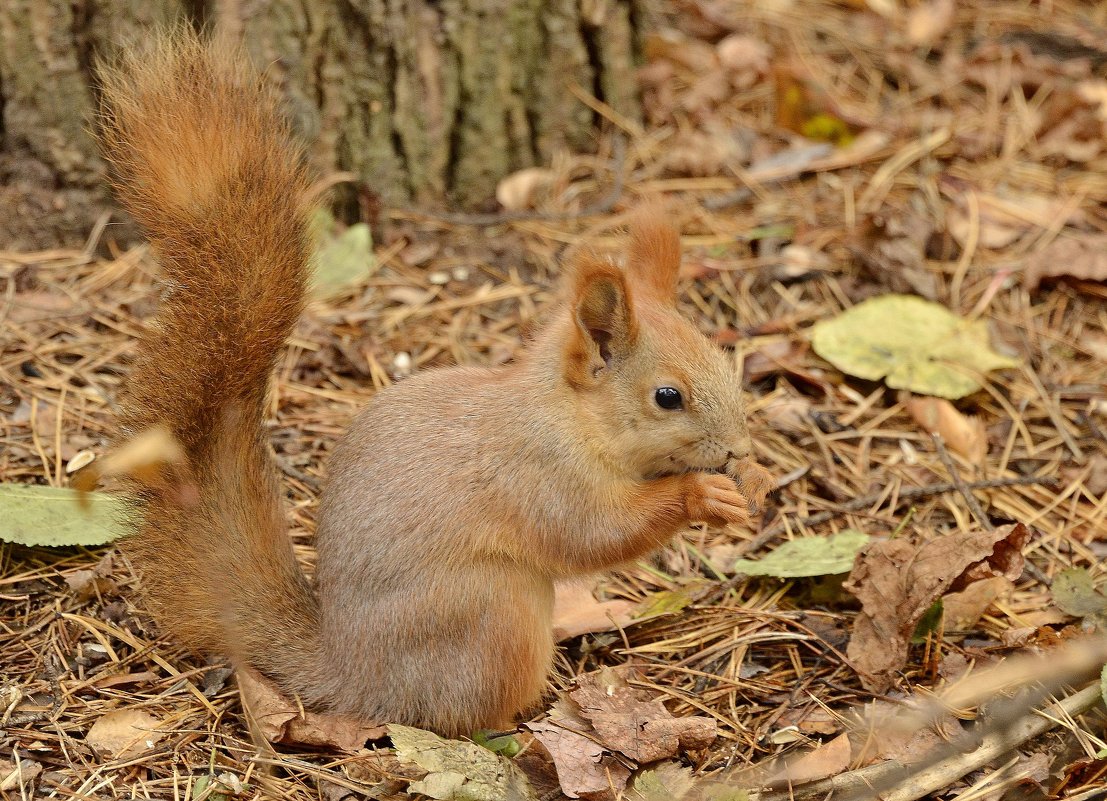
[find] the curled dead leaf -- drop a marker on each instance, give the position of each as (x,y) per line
(279,719)
(828,759)
(124,733)
(518,191)
(603,728)
(964,435)
(964,609)
(577,612)
(897,581)
(1081,256)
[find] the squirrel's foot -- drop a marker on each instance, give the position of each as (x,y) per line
(756,482)
(715,499)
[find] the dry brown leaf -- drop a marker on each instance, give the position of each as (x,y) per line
(584,768)
(898,580)
(963,609)
(18,775)
(1076,256)
(892,249)
(279,719)
(627,720)
(93,583)
(815,720)
(788,415)
(124,733)
(829,759)
(929,22)
(143,458)
(880,736)
(745,58)
(964,435)
(1005,217)
(603,725)
(518,191)
(577,612)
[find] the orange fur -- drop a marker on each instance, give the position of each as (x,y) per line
(457,497)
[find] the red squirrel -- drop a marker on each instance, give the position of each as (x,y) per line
(457,497)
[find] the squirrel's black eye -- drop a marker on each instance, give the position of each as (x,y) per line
(668,398)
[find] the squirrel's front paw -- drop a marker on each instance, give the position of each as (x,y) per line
(715,499)
(756,482)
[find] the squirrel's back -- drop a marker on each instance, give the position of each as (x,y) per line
(203,161)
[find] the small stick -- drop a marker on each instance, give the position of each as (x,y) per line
(892,781)
(966,493)
(910,494)
(603,206)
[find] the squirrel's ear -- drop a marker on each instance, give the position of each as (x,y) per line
(605,326)
(653,260)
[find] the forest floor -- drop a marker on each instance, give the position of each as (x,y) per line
(814,155)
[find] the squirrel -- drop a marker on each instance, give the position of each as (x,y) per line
(457,497)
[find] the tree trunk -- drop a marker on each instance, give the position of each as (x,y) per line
(427,102)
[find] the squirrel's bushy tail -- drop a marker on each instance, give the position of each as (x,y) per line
(204,163)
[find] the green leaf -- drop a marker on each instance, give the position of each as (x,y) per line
(928,623)
(505,745)
(912,344)
(456,770)
(666,782)
(1103,684)
(808,556)
(340,261)
(1075,594)
(669,602)
(32,514)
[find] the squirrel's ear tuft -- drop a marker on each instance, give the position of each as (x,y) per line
(653,260)
(605,327)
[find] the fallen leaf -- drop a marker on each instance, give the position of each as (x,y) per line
(964,435)
(584,768)
(829,759)
(19,775)
(341,261)
(666,782)
(279,719)
(788,415)
(34,514)
(517,191)
(631,722)
(773,358)
(577,612)
(1004,216)
(897,581)
(881,735)
(929,22)
(911,343)
(803,107)
(808,556)
(456,770)
(87,584)
(964,609)
(602,725)
(1075,593)
(124,733)
(745,58)
(892,249)
(48,303)
(1081,256)
(813,720)
(666,602)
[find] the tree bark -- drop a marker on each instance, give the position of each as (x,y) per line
(426,102)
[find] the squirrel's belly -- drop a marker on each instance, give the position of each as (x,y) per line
(456,650)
